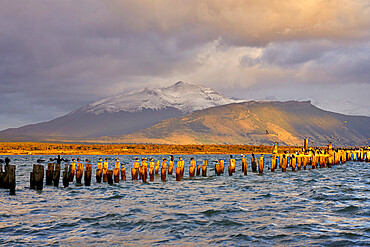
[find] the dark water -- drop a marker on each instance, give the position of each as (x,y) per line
(322,207)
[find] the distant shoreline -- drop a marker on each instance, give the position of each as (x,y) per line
(34,148)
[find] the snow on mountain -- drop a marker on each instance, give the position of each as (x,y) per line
(183,96)
(343,106)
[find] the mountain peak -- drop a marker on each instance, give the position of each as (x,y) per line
(183,96)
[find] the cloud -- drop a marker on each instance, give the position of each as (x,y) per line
(59,55)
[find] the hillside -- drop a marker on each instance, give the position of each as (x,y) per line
(256,123)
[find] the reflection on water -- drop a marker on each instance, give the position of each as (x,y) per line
(312,207)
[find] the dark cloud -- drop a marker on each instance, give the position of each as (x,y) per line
(58,55)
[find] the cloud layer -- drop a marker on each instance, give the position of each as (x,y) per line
(58,55)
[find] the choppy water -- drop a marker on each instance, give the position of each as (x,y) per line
(322,207)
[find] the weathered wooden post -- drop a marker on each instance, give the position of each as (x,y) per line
(222,166)
(87,174)
(164,170)
(254,163)
(299,161)
(10,174)
(144,170)
(192,167)
(157,167)
(232,164)
(49,174)
(105,170)
(99,171)
(198,169)
(79,172)
(66,176)
(244,164)
(123,172)
(181,165)
(217,168)
(273,163)
(117,170)
(72,169)
(151,169)
(110,176)
(56,175)
(283,163)
(170,165)
(135,169)
(38,173)
(178,173)
(204,168)
(293,162)
(261,164)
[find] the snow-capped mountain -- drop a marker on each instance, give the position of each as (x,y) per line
(125,113)
(182,96)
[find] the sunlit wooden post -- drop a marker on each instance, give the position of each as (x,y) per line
(10,182)
(192,167)
(105,170)
(79,172)
(144,170)
(99,171)
(293,162)
(261,163)
(135,169)
(151,169)
(283,163)
(72,170)
(232,164)
(273,163)
(170,165)
(222,166)
(244,164)
(157,167)
(204,168)
(117,170)
(164,170)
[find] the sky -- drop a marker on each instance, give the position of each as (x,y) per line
(56,56)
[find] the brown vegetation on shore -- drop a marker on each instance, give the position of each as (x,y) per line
(34,148)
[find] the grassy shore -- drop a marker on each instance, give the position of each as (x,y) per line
(34,148)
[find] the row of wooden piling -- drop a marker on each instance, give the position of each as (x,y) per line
(308,158)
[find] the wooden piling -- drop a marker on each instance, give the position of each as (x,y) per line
(217,168)
(38,175)
(2,174)
(261,164)
(56,175)
(204,168)
(151,171)
(170,167)
(178,173)
(164,170)
(99,174)
(273,163)
(87,174)
(192,167)
(284,163)
(157,167)
(116,173)
(72,170)
(244,165)
(254,164)
(123,172)
(110,176)
(293,162)
(198,169)
(49,174)
(10,177)
(66,176)
(135,169)
(222,166)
